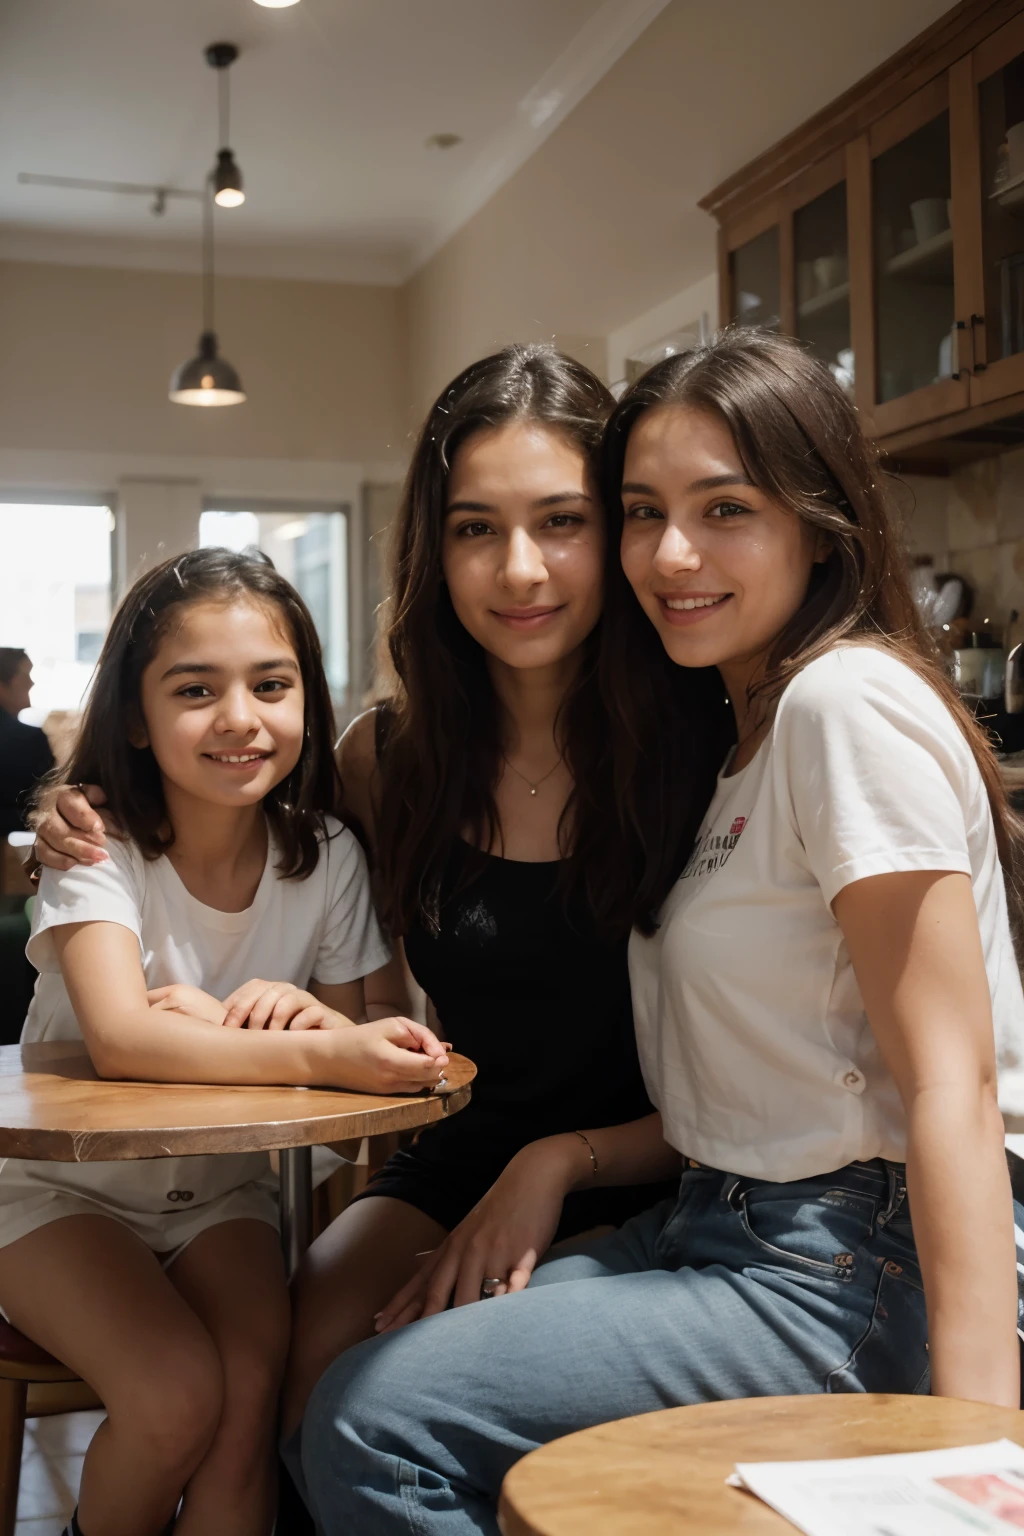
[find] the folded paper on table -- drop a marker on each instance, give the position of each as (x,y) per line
(970,1490)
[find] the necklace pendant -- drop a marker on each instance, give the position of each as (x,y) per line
(533,791)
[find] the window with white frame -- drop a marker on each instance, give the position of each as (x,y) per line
(310,549)
(55,600)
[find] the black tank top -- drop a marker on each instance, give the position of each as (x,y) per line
(523,985)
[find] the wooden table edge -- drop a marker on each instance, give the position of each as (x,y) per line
(41,1144)
(711,1420)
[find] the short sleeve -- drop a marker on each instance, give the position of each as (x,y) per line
(879,777)
(352,944)
(110,892)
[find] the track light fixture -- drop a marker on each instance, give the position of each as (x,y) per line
(227,178)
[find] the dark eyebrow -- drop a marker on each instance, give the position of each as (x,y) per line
(709,483)
(543,501)
(204,669)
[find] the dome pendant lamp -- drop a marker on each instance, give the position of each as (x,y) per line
(207,379)
(227,178)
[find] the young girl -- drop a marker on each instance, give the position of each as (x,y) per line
(819,982)
(161,1282)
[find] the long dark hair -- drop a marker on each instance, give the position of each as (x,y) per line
(442,743)
(130,777)
(800,442)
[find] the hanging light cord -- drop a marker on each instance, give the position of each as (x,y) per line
(208,254)
(224,107)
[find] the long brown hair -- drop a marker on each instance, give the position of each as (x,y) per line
(800,442)
(130,776)
(440,748)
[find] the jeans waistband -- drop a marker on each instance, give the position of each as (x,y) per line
(879,1178)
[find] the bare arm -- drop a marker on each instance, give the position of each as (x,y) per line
(512,1227)
(916,951)
(127,1037)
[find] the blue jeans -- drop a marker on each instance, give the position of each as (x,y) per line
(738,1289)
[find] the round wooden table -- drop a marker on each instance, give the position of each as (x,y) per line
(54,1108)
(664,1474)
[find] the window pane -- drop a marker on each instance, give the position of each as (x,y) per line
(755,281)
(823,281)
(309,549)
(1001,114)
(55,598)
(914,262)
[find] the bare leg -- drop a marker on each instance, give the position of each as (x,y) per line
(352,1270)
(89,1291)
(232,1277)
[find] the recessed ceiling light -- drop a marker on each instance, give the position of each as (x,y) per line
(443,140)
(276,5)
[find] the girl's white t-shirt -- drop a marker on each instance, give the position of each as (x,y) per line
(753,1038)
(322,928)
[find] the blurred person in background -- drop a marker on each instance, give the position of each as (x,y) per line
(25,753)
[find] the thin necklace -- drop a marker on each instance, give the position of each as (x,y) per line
(533,788)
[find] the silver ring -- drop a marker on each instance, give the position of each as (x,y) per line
(487,1286)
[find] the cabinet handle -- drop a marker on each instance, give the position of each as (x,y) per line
(976,366)
(958,326)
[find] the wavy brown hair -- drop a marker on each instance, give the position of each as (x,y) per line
(440,744)
(800,442)
(130,776)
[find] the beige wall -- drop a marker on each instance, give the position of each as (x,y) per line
(601,223)
(973,525)
(86,354)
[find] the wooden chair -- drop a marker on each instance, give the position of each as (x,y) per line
(659,1474)
(32,1385)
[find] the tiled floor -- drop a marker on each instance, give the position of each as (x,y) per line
(51,1465)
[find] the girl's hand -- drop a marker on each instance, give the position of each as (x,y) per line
(278,1005)
(193,1001)
(500,1240)
(388,1056)
(68,830)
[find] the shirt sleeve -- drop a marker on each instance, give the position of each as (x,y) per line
(352,944)
(879,777)
(110,892)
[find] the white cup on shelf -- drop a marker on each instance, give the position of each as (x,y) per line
(929,218)
(1015,148)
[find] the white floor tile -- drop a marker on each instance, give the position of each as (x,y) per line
(62,1433)
(43,1492)
(47,1527)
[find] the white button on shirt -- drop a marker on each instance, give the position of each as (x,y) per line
(752,1033)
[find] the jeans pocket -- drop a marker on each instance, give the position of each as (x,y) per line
(892,1353)
(819,1231)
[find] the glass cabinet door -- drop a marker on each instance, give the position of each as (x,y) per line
(822,275)
(756,285)
(913,263)
(999,364)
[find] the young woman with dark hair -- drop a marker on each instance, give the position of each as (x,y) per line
(484,789)
(161,1283)
(822,981)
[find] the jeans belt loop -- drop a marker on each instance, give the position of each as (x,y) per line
(897,1193)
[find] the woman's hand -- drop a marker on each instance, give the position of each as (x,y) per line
(278,1005)
(193,1001)
(501,1240)
(68,830)
(389,1056)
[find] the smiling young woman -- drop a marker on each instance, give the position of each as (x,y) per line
(823,981)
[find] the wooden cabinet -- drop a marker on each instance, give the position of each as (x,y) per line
(888,233)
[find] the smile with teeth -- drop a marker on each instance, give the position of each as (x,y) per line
(236,757)
(686,603)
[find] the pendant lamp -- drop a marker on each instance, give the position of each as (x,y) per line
(227,178)
(207,378)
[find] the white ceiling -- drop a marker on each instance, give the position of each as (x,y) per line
(331,103)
